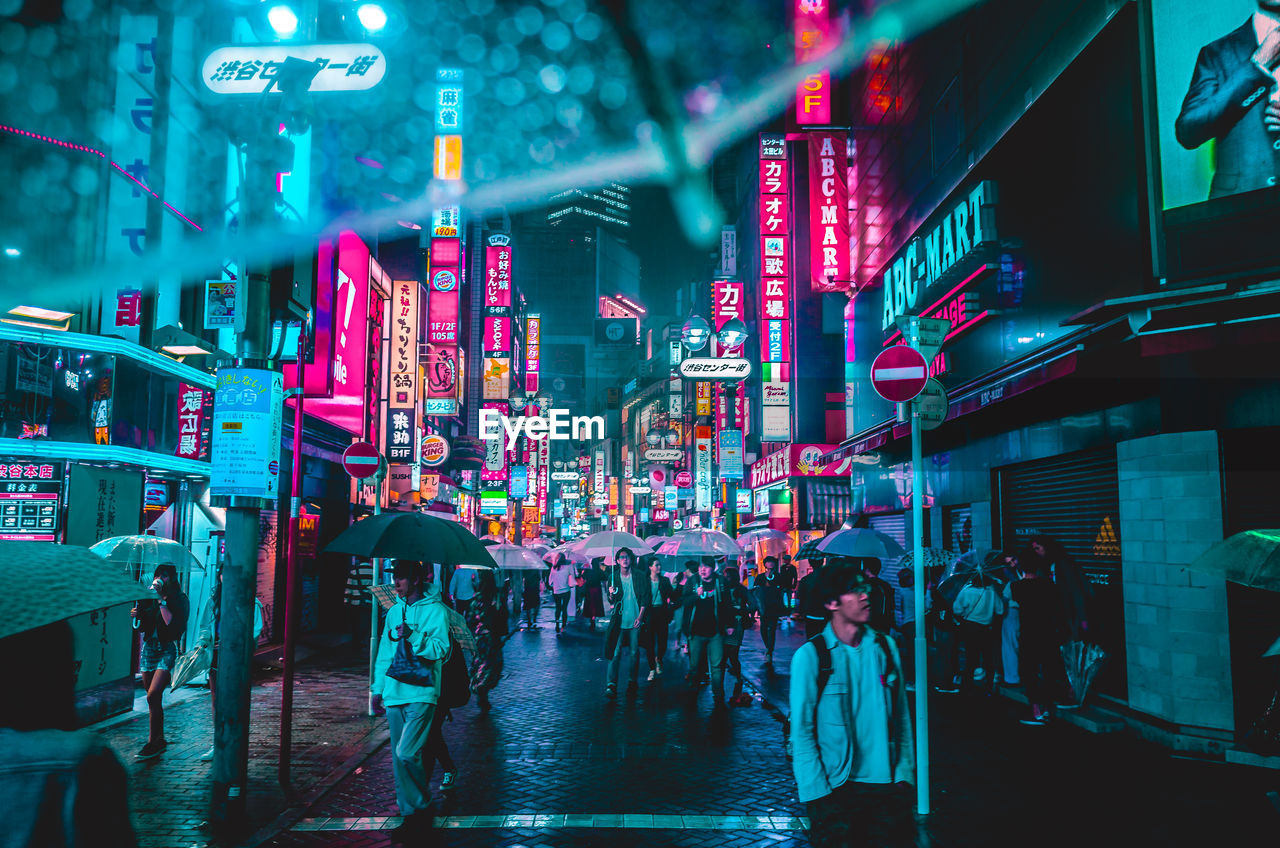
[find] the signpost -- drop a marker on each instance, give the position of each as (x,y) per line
(932,404)
(933,332)
(363,462)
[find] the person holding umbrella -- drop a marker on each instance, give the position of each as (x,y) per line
(631,598)
(559,582)
(593,594)
(808,601)
(161,623)
(419,617)
(485,620)
(708,616)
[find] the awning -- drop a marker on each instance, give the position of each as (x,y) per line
(827,502)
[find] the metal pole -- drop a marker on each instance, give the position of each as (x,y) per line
(377,580)
(917,559)
(291,580)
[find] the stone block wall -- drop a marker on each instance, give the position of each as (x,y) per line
(1179,662)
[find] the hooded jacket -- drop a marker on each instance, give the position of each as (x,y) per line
(428,625)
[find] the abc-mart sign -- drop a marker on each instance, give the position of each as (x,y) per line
(250,68)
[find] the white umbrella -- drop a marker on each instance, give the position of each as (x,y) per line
(516,558)
(607,543)
(762,535)
(701,543)
(574,554)
(861,542)
(139,555)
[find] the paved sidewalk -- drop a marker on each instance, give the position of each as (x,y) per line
(169,795)
(555,764)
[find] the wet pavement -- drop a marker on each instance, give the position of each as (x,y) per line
(556,764)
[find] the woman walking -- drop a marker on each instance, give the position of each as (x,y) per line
(162,623)
(593,583)
(485,621)
(559,581)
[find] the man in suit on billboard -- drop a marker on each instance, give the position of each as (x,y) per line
(1228,102)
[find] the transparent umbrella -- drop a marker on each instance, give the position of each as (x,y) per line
(607,543)
(516,558)
(139,555)
(701,543)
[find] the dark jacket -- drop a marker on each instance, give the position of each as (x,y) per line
(881,599)
(668,594)
(1225,102)
(729,609)
(768,597)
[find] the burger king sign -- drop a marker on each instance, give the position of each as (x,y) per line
(435,451)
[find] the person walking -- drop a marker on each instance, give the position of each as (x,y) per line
(59,786)
(788,580)
(485,619)
(707,616)
(162,622)
(462,588)
(1073,586)
(420,617)
(1010,628)
(743,611)
(1042,628)
(881,596)
(358,601)
(560,582)
(809,602)
(532,599)
(769,601)
(851,734)
(593,592)
(662,596)
(630,598)
(978,605)
(905,618)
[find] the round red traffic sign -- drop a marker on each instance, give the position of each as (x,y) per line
(361,460)
(899,373)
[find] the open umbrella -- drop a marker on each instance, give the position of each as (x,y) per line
(138,556)
(1251,558)
(761,535)
(516,558)
(44,583)
(934,558)
(701,543)
(412,535)
(861,542)
(607,543)
(574,554)
(809,550)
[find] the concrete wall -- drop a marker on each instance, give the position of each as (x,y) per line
(1175,619)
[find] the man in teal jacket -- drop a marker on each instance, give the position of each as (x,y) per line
(421,617)
(850,725)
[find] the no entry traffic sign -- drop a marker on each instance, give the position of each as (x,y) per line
(361,460)
(899,373)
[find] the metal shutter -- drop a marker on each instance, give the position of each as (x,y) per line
(958,537)
(1075,498)
(892,524)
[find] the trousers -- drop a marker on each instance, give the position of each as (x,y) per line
(410,726)
(710,648)
(562,608)
(631,636)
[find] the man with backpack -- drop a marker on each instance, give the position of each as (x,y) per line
(850,735)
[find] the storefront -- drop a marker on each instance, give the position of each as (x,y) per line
(794,491)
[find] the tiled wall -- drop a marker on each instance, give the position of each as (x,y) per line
(1175,619)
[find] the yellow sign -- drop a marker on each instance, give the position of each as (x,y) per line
(704,398)
(1107,544)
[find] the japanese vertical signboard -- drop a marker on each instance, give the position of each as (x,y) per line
(829,211)
(497,318)
(775,285)
(730,453)
(495,458)
(108,503)
(532,353)
(247,418)
(30,500)
(701,469)
(442,363)
(402,374)
(190,421)
(127,195)
(814,39)
(728,302)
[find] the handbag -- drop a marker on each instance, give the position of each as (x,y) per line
(408,667)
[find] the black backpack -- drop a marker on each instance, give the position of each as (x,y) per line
(455,686)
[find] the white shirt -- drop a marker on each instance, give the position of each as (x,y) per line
(1264,25)
(560,578)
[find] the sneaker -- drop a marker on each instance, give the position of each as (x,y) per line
(653,674)
(768,658)
(979,674)
(659,668)
(611,692)
(1067,706)
(152,749)
(207,755)
(448,780)
(1041,719)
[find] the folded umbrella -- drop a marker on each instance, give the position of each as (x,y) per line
(45,583)
(412,535)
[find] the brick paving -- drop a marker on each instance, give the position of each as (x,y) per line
(621,772)
(169,795)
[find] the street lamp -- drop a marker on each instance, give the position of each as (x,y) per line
(732,334)
(695,333)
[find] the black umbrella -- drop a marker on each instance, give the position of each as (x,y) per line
(412,535)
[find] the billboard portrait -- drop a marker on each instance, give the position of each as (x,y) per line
(1214,86)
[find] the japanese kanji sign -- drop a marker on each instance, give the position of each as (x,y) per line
(402,373)
(247,418)
(191,401)
(30,500)
(829,211)
(814,38)
(251,68)
(775,269)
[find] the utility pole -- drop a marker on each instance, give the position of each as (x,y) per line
(240,572)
